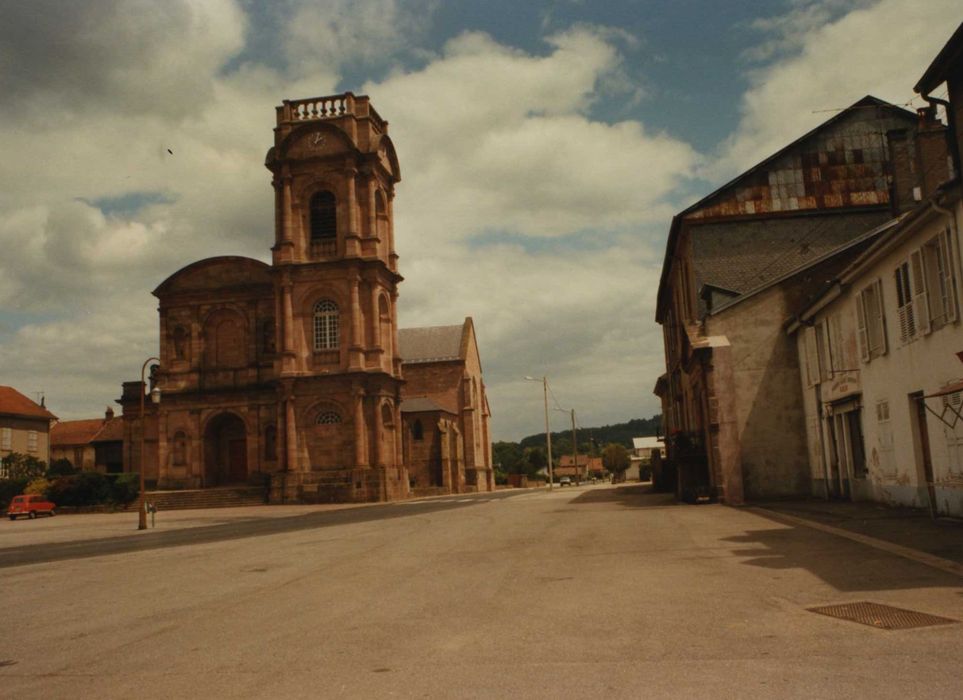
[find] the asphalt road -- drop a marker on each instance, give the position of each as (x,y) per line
(586,592)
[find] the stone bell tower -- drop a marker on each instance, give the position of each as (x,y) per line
(336,278)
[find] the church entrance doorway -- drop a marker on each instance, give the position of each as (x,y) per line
(225,451)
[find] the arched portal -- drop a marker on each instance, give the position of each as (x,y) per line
(225,451)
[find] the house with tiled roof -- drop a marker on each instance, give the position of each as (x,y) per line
(744,259)
(444,410)
(24,425)
(92,444)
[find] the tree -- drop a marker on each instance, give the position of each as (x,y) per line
(615,458)
(509,457)
(536,460)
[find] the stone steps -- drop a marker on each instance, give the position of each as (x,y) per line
(221,497)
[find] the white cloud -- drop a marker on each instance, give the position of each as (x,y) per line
(490,138)
(880,49)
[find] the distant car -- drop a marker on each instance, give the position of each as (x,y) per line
(29,505)
(565,481)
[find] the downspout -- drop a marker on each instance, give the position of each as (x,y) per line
(951,127)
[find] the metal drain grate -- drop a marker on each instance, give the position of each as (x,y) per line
(883,617)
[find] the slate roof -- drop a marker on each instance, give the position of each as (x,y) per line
(746,255)
(430,344)
(75,432)
(113,431)
(421,404)
(13,403)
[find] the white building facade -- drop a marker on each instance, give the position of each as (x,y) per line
(882,367)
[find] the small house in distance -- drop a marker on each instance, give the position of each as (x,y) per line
(24,425)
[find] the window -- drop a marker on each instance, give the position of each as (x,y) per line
(32,441)
(911,299)
(813,373)
(324,216)
(417,432)
(327,418)
(870,322)
(954,434)
(6,438)
(837,355)
(939,281)
(180,449)
(181,337)
(325,325)
(821,352)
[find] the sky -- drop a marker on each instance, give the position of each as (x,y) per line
(544,147)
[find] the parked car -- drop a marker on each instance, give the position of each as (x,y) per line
(565,481)
(29,505)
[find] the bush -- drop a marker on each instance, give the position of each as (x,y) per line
(501,478)
(125,489)
(37,486)
(10,488)
(21,466)
(60,467)
(83,489)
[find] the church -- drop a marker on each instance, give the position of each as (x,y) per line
(293,374)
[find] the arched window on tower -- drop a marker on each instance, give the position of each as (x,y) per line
(324,222)
(417,431)
(326,323)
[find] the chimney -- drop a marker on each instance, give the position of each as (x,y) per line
(108,414)
(904,171)
(932,151)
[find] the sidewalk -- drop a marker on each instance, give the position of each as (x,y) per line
(900,530)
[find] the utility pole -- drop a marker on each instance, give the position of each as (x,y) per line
(578,472)
(548,437)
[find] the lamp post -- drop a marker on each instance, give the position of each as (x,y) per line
(548,434)
(155,398)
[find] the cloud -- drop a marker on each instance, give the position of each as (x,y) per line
(831,61)
(492,140)
(136,57)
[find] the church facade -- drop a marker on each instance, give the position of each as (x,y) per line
(290,374)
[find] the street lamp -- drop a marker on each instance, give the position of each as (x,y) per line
(548,434)
(155,395)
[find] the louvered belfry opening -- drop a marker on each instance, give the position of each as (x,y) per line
(324,217)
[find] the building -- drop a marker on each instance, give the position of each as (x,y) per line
(94,444)
(445,412)
(24,425)
(745,258)
(882,347)
(290,373)
(585,467)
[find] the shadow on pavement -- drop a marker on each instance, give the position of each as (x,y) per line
(841,563)
(628,496)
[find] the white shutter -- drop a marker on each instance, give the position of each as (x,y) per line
(880,317)
(949,281)
(861,336)
(811,372)
(921,307)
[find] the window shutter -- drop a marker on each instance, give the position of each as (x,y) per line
(861,327)
(880,317)
(921,308)
(948,277)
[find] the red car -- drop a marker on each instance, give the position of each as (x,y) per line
(29,505)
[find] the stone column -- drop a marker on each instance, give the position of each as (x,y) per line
(390,243)
(352,238)
(360,432)
(287,223)
(355,356)
(376,340)
(372,209)
(287,322)
(290,436)
(394,360)
(379,432)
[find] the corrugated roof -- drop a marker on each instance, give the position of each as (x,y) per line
(430,344)
(421,404)
(748,254)
(13,403)
(75,432)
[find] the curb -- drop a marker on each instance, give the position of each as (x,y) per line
(946,565)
